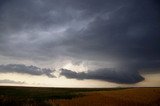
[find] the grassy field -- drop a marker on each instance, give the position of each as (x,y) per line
(32,96)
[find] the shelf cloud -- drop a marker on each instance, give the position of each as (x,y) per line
(109,75)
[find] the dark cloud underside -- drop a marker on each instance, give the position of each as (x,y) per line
(110,75)
(23,69)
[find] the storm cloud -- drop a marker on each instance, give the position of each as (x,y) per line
(111,75)
(23,69)
(124,34)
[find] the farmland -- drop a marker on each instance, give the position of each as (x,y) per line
(34,96)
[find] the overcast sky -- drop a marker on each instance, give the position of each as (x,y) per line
(103,43)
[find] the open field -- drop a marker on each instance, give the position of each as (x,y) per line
(34,96)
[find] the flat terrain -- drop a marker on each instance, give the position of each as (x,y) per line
(34,96)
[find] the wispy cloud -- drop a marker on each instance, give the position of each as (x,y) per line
(7,81)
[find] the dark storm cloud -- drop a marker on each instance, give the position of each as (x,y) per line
(125,32)
(111,75)
(131,32)
(6,81)
(23,69)
(128,34)
(31,27)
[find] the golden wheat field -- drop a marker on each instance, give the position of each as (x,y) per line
(125,97)
(34,96)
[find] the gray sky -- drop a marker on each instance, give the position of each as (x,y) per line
(105,40)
